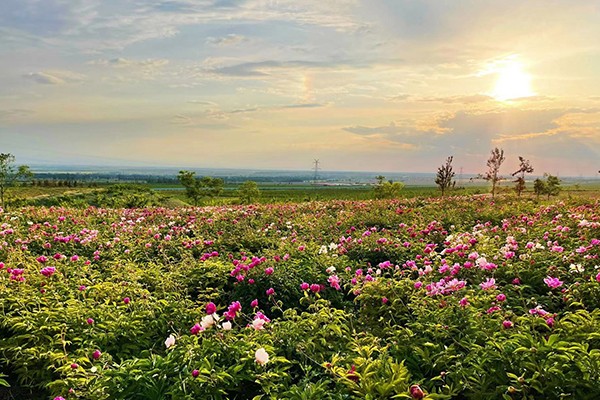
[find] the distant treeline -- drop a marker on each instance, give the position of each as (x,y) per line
(52,178)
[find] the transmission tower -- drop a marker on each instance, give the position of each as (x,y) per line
(316,169)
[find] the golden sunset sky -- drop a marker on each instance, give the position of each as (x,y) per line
(273,84)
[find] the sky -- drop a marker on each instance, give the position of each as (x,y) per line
(361,85)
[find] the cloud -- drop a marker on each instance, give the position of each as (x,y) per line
(404,136)
(304,105)
(273,108)
(44,78)
(120,62)
(203,103)
(388,130)
(400,97)
(54,77)
(181,119)
(464,99)
(97,26)
(229,40)
(15,113)
(472,134)
(187,121)
(266,68)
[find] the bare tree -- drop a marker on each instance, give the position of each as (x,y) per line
(494,162)
(524,168)
(445,175)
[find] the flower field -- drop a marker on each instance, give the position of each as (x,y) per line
(460,298)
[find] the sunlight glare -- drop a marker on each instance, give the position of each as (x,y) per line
(512,82)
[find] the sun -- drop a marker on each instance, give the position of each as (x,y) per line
(513,82)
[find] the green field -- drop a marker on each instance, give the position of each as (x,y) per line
(173,195)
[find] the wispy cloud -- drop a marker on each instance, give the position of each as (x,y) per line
(121,62)
(54,77)
(352,79)
(304,105)
(230,40)
(15,113)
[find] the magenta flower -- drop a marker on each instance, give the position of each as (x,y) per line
(254,303)
(507,324)
(501,297)
(270,292)
(211,308)
(48,271)
(269,271)
(493,309)
(598,277)
(96,354)
(195,373)
(126,300)
(315,288)
(416,392)
(235,306)
(232,310)
(194,330)
(306,286)
(464,302)
(74,366)
(489,284)
(90,321)
(553,283)
(334,281)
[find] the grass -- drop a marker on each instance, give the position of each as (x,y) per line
(173,195)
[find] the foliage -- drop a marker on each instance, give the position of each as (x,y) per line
(539,187)
(248,192)
(552,186)
(444,176)
(387,189)
(198,188)
(549,187)
(441,298)
(11,175)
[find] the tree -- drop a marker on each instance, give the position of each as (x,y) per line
(10,175)
(387,189)
(445,175)
(539,187)
(524,168)
(248,192)
(552,186)
(196,188)
(494,162)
